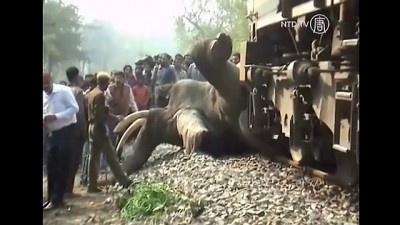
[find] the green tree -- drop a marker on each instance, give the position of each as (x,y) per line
(62,33)
(99,43)
(207,18)
(110,49)
(107,48)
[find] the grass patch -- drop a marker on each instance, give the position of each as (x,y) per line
(145,199)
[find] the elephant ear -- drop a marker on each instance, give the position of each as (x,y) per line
(221,47)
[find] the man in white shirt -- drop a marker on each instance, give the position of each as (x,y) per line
(59,117)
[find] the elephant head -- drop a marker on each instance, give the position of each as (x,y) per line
(200,115)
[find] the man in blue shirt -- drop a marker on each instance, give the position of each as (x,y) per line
(166,75)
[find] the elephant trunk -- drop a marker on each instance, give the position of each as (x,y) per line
(148,138)
(142,148)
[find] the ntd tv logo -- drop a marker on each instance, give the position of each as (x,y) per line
(319,24)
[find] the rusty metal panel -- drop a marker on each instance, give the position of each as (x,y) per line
(283,101)
(267,10)
(324,96)
(324,99)
(242,69)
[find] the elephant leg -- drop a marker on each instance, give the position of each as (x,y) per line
(191,128)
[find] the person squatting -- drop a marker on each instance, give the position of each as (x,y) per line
(87,109)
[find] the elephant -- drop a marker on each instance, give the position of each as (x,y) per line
(201,116)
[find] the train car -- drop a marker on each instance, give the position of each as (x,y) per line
(300,66)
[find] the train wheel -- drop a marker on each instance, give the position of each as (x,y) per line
(267,146)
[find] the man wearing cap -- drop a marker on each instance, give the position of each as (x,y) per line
(99,135)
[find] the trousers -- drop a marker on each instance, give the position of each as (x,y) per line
(101,143)
(75,158)
(58,160)
(85,164)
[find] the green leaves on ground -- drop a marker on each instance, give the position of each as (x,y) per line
(146,199)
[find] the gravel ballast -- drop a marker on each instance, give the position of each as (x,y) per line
(248,190)
(245,191)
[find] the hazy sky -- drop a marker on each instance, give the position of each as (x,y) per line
(145,17)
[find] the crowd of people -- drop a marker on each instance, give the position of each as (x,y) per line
(80,115)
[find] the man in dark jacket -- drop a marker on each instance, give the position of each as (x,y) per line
(99,135)
(81,128)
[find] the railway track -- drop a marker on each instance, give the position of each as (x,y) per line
(313,172)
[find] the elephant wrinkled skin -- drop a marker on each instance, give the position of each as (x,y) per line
(200,116)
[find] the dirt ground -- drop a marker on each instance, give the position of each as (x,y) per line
(85,208)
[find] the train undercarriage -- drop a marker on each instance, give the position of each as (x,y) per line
(303,83)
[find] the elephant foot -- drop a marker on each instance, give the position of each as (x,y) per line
(221,47)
